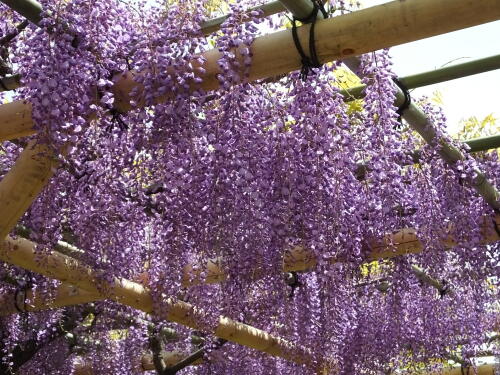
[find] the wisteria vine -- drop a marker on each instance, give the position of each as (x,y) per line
(236,176)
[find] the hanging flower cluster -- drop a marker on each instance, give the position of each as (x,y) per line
(156,185)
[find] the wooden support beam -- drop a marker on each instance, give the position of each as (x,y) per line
(341,37)
(21,252)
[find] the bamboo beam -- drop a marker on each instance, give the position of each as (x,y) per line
(341,37)
(422,124)
(268,9)
(399,243)
(22,184)
(83,367)
(15,120)
(344,36)
(21,252)
(32,10)
(36,300)
(479,370)
(402,242)
(484,143)
(10,82)
(435,76)
(301,9)
(452,72)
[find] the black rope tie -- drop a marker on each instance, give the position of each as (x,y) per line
(495,226)
(404,106)
(308,62)
(292,280)
(116,118)
(2,85)
(20,300)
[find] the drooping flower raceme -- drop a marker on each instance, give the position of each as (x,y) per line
(236,176)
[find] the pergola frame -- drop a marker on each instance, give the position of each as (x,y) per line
(337,38)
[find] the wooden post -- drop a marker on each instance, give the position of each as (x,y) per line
(341,37)
(21,252)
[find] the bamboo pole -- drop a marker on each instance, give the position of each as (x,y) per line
(341,37)
(344,36)
(83,367)
(435,76)
(21,252)
(15,120)
(422,124)
(484,143)
(32,10)
(10,82)
(452,72)
(479,370)
(22,184)
(300,9)
(36,299)
(402,242)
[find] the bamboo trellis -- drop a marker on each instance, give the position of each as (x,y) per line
(383,26)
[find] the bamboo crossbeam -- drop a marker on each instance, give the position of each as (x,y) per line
(436,76)
(83,367)
(36,299)
(479,370)
(402,242)
(10,82)
(300,9)
(484,143)
(422,124)
(22,184)
(21,252)
(31,10)
(344,36)
(341,37)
